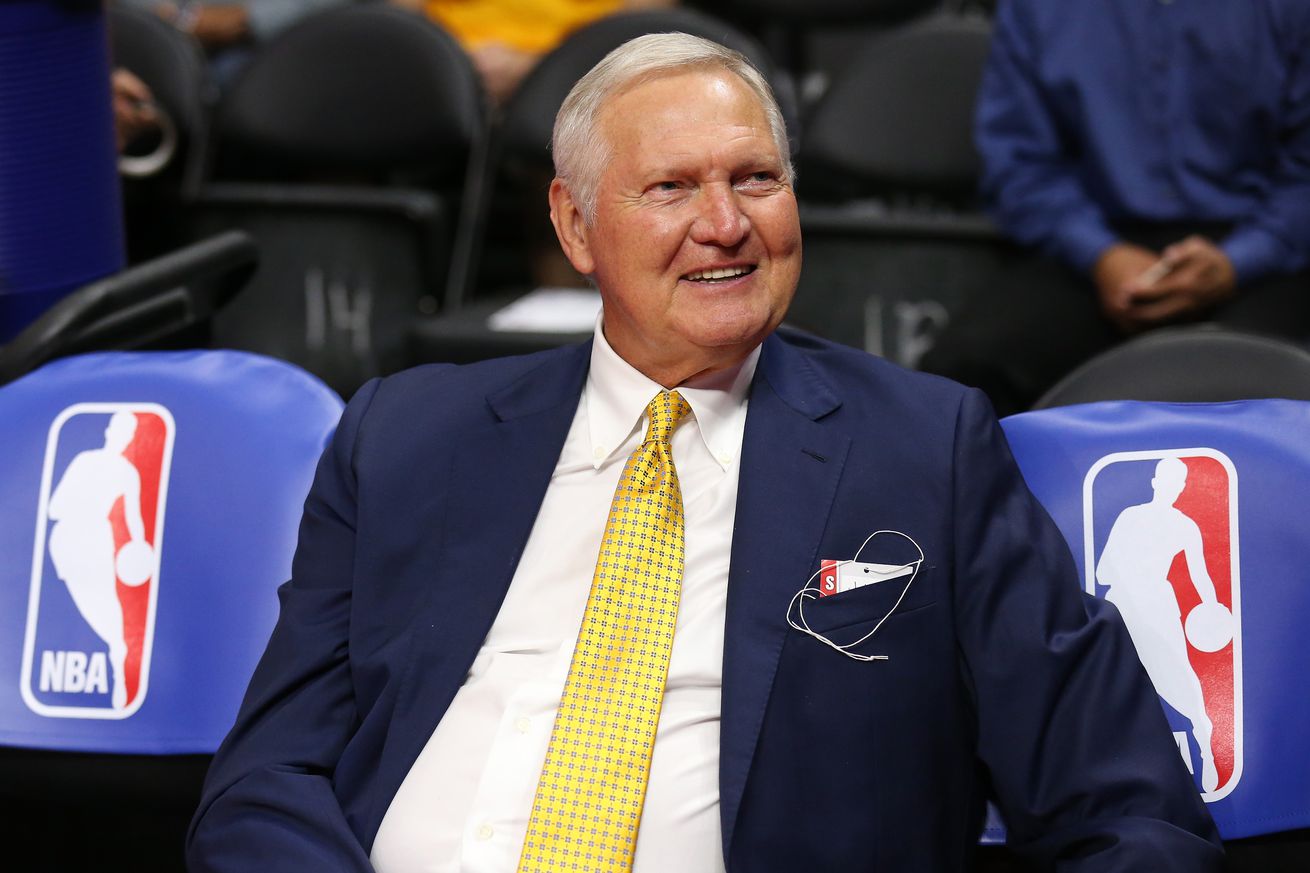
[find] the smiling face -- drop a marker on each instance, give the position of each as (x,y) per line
(696,243)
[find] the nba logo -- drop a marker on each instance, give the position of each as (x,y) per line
(1161,544)
(95,561)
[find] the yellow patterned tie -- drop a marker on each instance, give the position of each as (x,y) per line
(593,784)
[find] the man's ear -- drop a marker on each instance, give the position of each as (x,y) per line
(571,227)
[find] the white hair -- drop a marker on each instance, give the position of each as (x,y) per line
(581,153)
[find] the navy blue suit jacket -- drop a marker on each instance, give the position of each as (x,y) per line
(1003,677)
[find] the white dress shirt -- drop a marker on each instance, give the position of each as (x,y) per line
(464,806)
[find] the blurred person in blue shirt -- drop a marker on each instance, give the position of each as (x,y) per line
(230,30)
(1154,158)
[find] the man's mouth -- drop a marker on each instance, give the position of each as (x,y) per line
(719,274)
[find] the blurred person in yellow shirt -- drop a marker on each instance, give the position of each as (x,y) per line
(506,38)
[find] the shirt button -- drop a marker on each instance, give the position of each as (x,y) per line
(486,832)
(725,458)
(598,453)
(522,724)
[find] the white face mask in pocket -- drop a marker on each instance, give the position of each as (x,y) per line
(837,577)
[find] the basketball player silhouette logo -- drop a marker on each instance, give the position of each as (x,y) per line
(1158,565)
(94,587)
(82,539)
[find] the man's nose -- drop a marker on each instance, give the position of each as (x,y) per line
(720,220)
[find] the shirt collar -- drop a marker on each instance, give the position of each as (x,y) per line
(617,394)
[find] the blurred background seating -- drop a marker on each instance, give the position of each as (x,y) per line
(375,258)
(167,302)
(1204,364)
(351,149)
(894,238)
(231,31)
(814,41)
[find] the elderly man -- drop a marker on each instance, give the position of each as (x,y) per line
(560,612)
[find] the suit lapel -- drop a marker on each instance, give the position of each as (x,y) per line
(790,466)
(500,471)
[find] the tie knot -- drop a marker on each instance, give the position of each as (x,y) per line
(665,411)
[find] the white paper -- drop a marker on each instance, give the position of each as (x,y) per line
(857,574)
(549,310)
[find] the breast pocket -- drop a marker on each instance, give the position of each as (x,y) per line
(869,604)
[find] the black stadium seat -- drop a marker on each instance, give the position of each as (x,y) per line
(1188,364)
(798,33)
(893,237)
(344,149)
(815,41)
(815,11)
(899,122)
(157,301)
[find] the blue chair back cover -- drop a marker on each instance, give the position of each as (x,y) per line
(149,504)
(1154,498)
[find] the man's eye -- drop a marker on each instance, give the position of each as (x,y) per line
(666,186)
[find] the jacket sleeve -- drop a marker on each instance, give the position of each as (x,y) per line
(1070,730)
(268,803)
(1029,182)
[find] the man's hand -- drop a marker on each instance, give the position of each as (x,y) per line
(134,107)
(1196,274)
(1114,274)
(1138,290)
